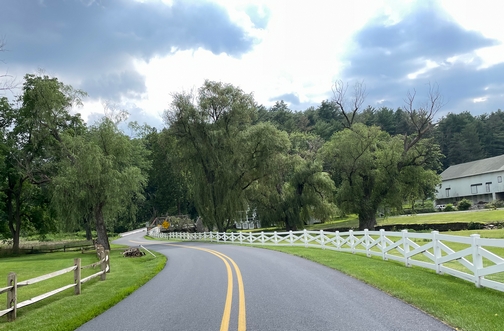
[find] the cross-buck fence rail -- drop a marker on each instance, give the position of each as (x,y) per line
(475,259)
(13,284)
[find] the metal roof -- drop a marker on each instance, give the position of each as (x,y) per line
(492,164)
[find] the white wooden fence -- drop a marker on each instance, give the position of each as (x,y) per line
(475,259)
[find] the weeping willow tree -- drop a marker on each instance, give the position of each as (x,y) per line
(299,190)
(105,170)
(223,151)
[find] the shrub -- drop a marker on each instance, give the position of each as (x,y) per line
(464,204)
(495,204)
(449,207)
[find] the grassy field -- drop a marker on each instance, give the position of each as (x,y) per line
(477,216)
(66,311)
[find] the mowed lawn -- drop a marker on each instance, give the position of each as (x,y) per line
(66,311)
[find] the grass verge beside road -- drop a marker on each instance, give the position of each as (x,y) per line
(66,311)
(454,301)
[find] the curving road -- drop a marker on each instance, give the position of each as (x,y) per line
(199,289)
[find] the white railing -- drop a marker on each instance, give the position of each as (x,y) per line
(471,258)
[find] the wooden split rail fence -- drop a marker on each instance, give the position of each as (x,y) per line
(474,259)
(13,284)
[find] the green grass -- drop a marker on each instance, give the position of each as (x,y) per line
(352,221)
(483,216)
(66,311)
(454,301)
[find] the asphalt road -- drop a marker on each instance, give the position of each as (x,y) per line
(279,292)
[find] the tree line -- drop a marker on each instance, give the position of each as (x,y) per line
(220,154)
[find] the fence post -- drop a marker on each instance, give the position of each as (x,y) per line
(262,237)
(103,265)
(107,260)
(405,247)
(352,241)
(338,240)
(477,260)
(366,242)
(305,237)
(437,251)
(383,244)
(12,296)
(77,276)
(322,241)
(291,240)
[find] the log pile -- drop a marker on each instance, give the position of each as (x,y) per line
(133,252)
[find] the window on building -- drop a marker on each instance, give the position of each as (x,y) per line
(474,188)
(447,192)
(499,179)
(488,186)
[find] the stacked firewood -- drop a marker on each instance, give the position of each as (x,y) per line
(133,252)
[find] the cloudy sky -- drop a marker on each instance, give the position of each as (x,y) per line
(134,54)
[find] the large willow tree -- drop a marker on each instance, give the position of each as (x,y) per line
(223,151)
(104,171)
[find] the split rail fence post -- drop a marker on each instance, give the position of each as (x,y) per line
(77,276)
(12,296)
(107,260)
(103,265)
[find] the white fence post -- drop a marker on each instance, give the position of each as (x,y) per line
(405,247)
(305,237)
(352,241)
(275,240)
(322,241)
(477,259)
(291,239)
(338,241)
(383,244)
(437,251)
(262,237)
(366,241)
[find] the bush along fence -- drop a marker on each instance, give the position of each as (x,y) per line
(13,285)
(475,259)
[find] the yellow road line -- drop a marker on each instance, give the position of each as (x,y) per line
(242,321)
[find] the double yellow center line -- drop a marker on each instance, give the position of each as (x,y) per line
(226,316)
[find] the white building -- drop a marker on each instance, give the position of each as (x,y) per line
(476,181)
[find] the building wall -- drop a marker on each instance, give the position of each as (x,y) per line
(484,187)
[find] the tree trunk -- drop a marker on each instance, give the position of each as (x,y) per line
(367,219)
(14,215)
(87,226)
(101,230)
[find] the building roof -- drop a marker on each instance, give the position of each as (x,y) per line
(492,164)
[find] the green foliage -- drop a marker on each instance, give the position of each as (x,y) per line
(223,151)
(32,145)
(299,190)
(449,207)
(373,169)
(102,179)
(464,204)
(495,204)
